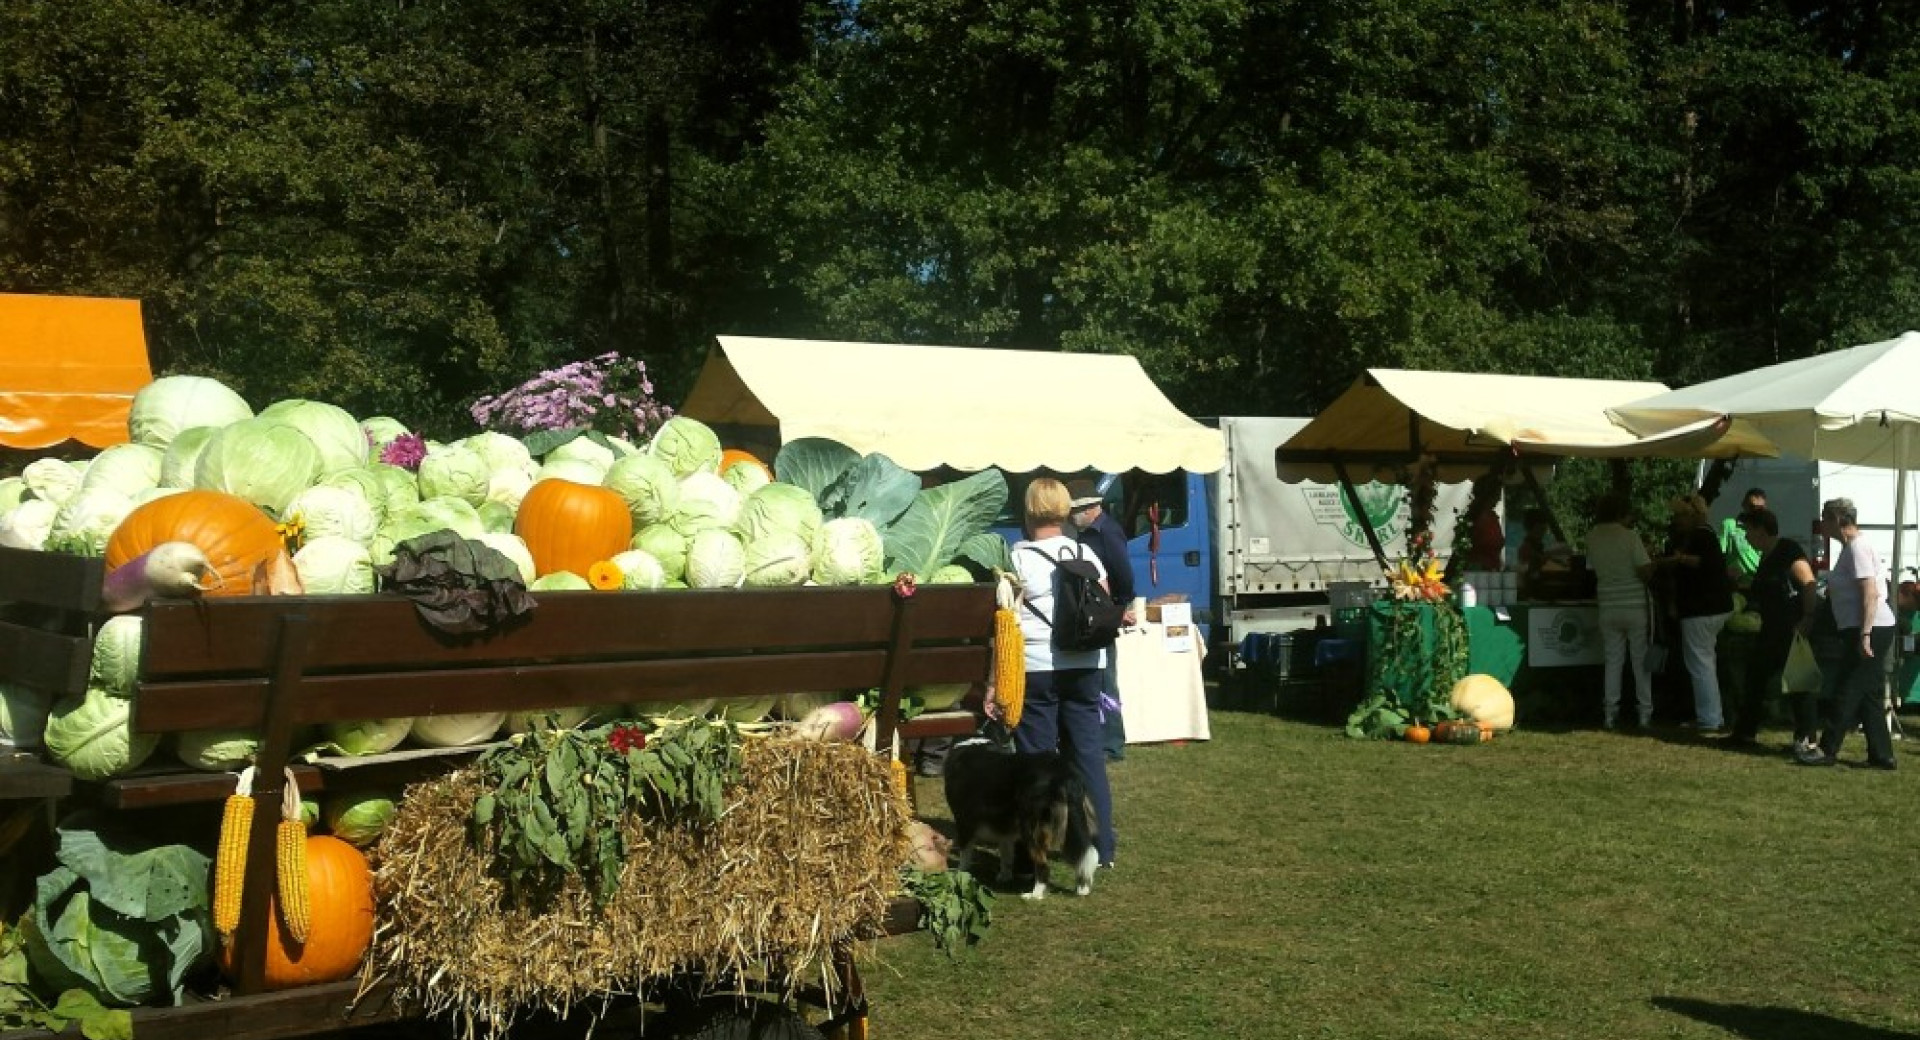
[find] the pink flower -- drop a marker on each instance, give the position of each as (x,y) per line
(405,451)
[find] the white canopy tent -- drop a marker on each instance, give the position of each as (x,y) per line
(968,408)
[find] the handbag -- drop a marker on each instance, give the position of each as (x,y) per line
(1802,671)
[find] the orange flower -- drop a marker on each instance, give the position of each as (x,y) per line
(606,575)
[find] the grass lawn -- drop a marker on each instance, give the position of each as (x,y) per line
(1284,881)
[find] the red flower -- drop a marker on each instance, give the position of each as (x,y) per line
(904,585)
(623,739)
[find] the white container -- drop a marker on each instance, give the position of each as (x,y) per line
(1467,596)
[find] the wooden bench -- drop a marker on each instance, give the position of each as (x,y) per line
(274,664)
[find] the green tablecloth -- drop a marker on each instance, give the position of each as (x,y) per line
(1494,647)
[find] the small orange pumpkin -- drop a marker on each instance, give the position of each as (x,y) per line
(1418,734)
(570,527)
(340,890)
(234,534)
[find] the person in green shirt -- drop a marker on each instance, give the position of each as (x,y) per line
(1742,559)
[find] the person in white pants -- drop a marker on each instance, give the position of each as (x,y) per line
(1621,567)
(1703,596)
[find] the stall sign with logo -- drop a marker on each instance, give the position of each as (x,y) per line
(1561,636)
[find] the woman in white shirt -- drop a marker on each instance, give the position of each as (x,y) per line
(1062,707)
(1620,566)
(1856,591)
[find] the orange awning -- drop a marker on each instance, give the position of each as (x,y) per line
(69,367)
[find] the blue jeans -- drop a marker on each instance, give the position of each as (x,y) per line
(1062,713)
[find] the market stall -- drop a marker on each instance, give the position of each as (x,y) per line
(1418,428)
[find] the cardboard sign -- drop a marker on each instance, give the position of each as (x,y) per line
(1561,636)
(1177,619)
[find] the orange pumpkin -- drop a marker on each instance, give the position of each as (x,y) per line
(234,534)
(340,890)
(571,527)
(733,455)
(1418,734)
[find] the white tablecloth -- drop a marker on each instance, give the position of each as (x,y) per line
(1161,692)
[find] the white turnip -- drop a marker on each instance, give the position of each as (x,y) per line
(168,569)
(840,720)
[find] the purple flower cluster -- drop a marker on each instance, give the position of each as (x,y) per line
(608,393)
(405,451)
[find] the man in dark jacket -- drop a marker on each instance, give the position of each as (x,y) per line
(1102,536)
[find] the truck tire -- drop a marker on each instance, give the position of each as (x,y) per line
(748,1020)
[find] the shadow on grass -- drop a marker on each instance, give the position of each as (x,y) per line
(1774,1023)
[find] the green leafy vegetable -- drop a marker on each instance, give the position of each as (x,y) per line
(955,908)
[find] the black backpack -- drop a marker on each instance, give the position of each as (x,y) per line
(1085,617)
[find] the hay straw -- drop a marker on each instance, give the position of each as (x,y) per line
(807,857)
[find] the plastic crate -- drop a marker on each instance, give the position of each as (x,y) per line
(1348,595)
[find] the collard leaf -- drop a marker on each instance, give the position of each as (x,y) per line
(813,463)
(989,550)
(875,489)
(941,520)
(543,441)
(130,875)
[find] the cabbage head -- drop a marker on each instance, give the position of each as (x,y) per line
(951,574)
(92,735)
(380,431)
(666,544)
(716,560)
(400,487)
(570,469)
(216,750)
(333,566)
(583,449)
(560,581)
(514,548)
(358,817)
(122,917)
(86,521)
(847,551)
(779,507)
(23,715)
(333,510)
(500,451)
(649,486)
(170,404)
(746,709)
(508,487)
(12,491)
(686,445)
(366,736)
(332,429)
(261,460)
(183,455)
(746,477)
(116,654)
(454,472)
(552,718)
(778,559)
(52,480)
(465,730)
(433,514)
(126,468)
(705,501)
(496,517)
(639,570)
(29,524)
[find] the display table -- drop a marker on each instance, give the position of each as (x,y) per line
(1496,645)
(1161,693)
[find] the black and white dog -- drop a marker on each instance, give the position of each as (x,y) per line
(1037,802)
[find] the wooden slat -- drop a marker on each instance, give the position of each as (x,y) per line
(240,703)
(24,776)
(306,1011)
(356,633)
(54,580)
(940,724)
(153,790)
(52,661)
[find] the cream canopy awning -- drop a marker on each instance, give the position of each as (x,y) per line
(1391,417)
(967,408)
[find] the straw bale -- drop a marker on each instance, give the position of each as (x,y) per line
(807,856)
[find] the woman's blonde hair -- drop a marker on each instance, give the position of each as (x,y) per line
(1047,502)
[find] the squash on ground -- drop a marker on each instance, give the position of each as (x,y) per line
(1483,699)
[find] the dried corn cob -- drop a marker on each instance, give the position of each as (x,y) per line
(898,771)
(296,910)
(1009,657)
(230,864)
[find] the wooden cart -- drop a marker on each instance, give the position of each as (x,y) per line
(277,663)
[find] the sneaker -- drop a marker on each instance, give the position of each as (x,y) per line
(1812,756)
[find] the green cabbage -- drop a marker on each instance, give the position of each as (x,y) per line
(116,654)
(12,491)
(335,433)
(122,918)
(261,460)
(86,521)
(366,736)
(23,715)
(583,449)
(496,518)
(398,485)
(367,485)
(29,524)
(746,477)
(514,548)
(552,718)
(686,445)
(52,480)
(746,709)
(664,543)
(92,735)
(358,817)
(170,404)
(560,581)
(716,560)
(335,510)
(126,468)
(847,551)
(639,570)
(454,472)
(183,455)
(777,559)
(649,486)
(216,750)
(576,470)
(951,574)
(380,431)
(706,502)
(433,514)
(508,487)
(333,566)
(501,451)
(463,730)
(779,507)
